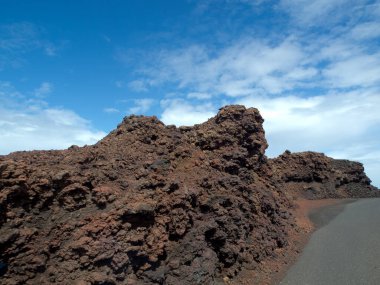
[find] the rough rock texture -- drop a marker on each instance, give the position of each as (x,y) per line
(313,175)
(156,204)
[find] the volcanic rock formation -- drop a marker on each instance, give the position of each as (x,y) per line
(156,204)
(313,175)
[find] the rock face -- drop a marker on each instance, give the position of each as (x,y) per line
(315,176)
(156,204)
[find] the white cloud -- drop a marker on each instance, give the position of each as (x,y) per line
(44,89)
(199,96)
(138,86)
(141,105)
(111,110)
(321,12)
(358,71)
(335,50)
(302,73)
(368,30)
(264,66)
(28,127)
(203,6)
(19,38)
(182,113)
(44,129)
(236,70)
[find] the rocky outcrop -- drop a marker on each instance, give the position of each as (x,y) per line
(313,175)
(156,204)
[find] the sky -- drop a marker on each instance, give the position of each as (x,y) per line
(71,70)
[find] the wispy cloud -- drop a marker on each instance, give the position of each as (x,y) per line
(183,113)
(16,39)
(359,71)
(199,96)
(249,65)
(323,12)
(253,66)
(138,86)
(141,105)
(19,36)
(44,89)
(111,110)
(27,124)
(340,59)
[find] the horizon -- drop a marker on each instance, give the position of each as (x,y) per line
(71,71)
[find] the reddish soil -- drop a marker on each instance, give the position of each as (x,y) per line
(156,204)
(306,207)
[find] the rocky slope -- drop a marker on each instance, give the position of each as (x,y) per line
(156,204)
(313,175)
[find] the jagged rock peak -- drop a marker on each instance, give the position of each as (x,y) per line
(133,122)
(235,113)
(232,126)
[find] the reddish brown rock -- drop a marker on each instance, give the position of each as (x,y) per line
(313,175)
(156,204)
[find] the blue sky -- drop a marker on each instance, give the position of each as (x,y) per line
(71,70)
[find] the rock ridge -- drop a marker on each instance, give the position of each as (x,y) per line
(157,204)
